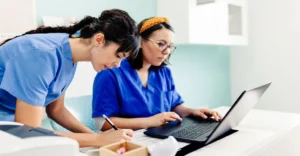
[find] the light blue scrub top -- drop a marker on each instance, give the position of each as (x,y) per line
(36,69)
(119,92)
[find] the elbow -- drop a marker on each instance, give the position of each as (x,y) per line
(106,127)
(101,124)
(50,112)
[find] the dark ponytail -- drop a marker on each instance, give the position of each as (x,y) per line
(116,25)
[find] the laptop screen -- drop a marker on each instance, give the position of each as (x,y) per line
(245,102)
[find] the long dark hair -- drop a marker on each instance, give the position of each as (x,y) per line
(116,25)
(136,62)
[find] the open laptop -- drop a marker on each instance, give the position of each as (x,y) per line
(203,132)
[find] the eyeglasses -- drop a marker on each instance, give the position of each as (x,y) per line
(163,46)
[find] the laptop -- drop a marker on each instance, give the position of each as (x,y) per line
(203,132)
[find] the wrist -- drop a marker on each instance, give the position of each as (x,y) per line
(183,111)
(189,111)
(146,122)
(95,141)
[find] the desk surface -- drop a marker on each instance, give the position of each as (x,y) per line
(286,144)
(258,128)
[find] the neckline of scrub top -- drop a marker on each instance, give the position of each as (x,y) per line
(138,79)
(67,52)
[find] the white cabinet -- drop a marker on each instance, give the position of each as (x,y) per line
(221,22)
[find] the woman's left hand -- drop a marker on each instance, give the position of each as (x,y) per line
(205,113)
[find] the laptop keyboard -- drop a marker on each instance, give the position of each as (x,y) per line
(194,130)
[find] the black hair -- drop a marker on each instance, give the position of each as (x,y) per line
(137,61)
(116,25)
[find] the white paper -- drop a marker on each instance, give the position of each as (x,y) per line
(140,138)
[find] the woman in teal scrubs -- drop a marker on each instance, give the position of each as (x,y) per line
(37,67)
(141,93)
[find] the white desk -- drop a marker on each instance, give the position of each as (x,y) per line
(258,129)
(286,144)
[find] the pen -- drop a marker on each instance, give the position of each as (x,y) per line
(107,119)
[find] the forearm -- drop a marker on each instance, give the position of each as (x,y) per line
(182,110)
(83,139)
(126,123)
(67,120)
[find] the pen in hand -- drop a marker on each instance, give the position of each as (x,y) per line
(107,119)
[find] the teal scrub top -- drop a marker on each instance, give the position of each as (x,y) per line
(36,69)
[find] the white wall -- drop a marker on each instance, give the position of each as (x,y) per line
(82,83)
(273,54)
(17,16)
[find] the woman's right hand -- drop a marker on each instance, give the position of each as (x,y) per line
(113,136)
(162,118)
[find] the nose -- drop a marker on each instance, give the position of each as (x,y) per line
(118,63)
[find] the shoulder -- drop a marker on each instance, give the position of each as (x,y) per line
(35,60)
(38,41)
(116,74)
(105,75)
(49,41)
(123,69)
(125,65)
(166,71)
(28,43)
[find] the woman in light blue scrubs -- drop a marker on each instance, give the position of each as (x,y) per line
(37,67)
(141,93)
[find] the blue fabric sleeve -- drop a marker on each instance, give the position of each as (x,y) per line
(176,98)
(28,75)
(105,97)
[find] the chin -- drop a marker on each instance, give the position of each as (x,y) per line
(97,69)
(157,63)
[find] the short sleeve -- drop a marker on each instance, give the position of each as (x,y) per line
(27,76)
(176,98)
(105,99)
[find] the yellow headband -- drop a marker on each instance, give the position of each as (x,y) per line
(153,21)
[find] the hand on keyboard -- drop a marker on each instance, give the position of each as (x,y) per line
(162,118)
(205,113)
